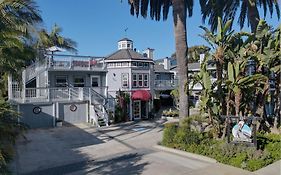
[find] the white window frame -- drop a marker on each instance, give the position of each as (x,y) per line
(146,81)
(135,80)
(140,80)
(80,77)
(125,80)
(61,84)
(98,78)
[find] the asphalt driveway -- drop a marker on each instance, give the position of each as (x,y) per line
(120,149)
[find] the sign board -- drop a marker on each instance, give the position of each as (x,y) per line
(242,132)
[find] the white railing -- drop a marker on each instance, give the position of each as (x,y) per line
(74,62)
(33,70)
(166,84)
(58,94)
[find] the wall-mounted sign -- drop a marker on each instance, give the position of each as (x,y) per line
(37,110)
(73,107)
(242,132)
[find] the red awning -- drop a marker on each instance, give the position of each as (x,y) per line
(142,95)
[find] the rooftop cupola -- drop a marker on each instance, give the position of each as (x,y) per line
(125,43)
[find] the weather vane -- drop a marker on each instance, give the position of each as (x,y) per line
(126,31)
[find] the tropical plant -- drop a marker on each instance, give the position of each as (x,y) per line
(226,9)
(221,42)
(238,83)
(54,38)
(180,9)
(209,103)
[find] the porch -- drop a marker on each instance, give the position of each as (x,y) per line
(58,94)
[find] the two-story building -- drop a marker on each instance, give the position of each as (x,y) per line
(132,72)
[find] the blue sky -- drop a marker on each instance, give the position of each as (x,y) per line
(97,25)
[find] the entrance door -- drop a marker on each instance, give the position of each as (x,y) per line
(137,109)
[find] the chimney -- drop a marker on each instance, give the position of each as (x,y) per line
(167,63)
(149,53)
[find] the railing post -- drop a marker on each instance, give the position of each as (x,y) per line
(10,90)
(23,84)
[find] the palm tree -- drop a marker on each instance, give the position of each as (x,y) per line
(227,9)
(18,17)
(180,9)
(54,38)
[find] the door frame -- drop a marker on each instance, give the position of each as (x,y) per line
(95,76)
(139,106)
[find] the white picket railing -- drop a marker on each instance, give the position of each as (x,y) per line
(58,94)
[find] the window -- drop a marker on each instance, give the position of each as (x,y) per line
(145,65)
(134,80)
(79,82)
(140,80)
(125,64)
(95,81)
(125,80)
(123,45)
(128,45)
(61,81)
(145,82)
(140,64)
(134,64)
(118,64)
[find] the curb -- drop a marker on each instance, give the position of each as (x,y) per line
(185,154)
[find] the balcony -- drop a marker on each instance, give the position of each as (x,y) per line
(73,62)
(165,84)
(60,94)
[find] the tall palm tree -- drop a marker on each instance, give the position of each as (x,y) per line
(54,38)
(180,10)
(212,9)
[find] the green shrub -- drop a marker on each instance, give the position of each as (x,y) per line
(169,133)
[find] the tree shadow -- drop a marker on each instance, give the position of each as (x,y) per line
(125,164)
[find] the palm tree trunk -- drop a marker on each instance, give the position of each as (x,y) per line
(237,101)
(227,114)
(253,16)
(179,15)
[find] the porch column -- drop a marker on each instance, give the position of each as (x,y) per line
(131,108)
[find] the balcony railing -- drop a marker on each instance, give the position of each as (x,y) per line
(72,62)
(165,84)
(58,94)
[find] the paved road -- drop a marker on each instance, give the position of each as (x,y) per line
(121,149)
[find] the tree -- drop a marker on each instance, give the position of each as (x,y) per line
(180,9)
(226,9)
(54,38)
(221,42)
(194,53)
(18,18)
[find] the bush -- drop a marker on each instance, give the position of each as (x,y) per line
(170,131)
(236,155)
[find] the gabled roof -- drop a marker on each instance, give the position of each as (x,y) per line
(126,54)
